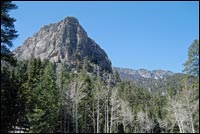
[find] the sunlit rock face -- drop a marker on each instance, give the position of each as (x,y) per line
(66,42)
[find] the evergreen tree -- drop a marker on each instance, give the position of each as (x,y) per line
(34,75)
(192,64)
(44,116)
(8,32)
(117,77)
(21,80)
(9,96)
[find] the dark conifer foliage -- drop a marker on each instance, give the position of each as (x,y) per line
(8,32)
(36,96)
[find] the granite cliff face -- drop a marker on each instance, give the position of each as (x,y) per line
(66,42)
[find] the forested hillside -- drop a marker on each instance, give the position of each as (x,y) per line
(61,81)
(84,102)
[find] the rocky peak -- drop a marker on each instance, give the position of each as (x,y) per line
(66,42)
(71,20)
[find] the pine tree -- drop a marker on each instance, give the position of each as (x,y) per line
(44,116)
(21,79)
(192,64)
(9,98)
(8,32)
(85,106)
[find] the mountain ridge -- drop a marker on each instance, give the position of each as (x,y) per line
(139,74)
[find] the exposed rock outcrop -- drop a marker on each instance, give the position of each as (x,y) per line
(65,42)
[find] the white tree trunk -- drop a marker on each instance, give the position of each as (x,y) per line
(76,117)
(94,121)
(111,117)
(105,125)
(98,113)
(187,95)
(107,116)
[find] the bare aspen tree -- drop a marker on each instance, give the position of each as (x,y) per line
(115,105)
(76,95)
(187,95)
(183,109)
(126,114)
(141,120)
(145,123)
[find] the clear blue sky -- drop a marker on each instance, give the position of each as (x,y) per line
(150,35)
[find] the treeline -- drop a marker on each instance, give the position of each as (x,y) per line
(40,96)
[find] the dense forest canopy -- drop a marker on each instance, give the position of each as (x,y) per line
(34,97)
